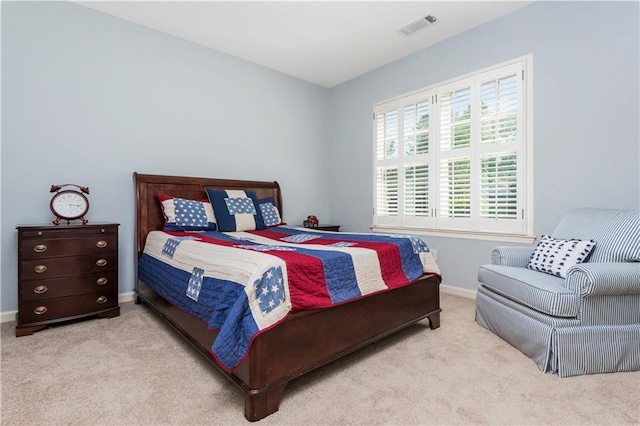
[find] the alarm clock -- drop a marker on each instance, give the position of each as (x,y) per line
(69,204)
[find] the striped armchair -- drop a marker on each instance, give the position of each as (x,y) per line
(586,323)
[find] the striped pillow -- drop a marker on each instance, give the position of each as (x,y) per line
(555,257)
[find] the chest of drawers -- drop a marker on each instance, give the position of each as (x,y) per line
(66,272)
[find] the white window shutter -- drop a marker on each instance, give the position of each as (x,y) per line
(454,157)
(416,191)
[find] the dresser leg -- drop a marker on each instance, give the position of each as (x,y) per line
(115,312)
(28,331)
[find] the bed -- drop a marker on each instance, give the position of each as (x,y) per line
(279,353)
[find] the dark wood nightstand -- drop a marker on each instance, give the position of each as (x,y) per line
(66,272)
(335,228)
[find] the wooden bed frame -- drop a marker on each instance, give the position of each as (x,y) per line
(305,340)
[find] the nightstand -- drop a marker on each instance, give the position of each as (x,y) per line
(66,272)
(335,228)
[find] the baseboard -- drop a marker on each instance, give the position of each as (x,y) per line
(11,315)
(8,316)
(457,291)
(126,297)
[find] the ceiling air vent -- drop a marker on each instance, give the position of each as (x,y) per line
(417,25)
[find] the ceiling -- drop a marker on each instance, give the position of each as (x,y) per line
(322,42)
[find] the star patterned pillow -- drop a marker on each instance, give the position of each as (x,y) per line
(235,210)
(181,214)
(270,212)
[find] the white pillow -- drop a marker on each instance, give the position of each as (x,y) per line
(555,257)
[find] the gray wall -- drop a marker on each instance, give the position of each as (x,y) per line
(89,99)
(586,109)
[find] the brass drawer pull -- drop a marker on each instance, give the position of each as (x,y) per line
(101,244)
(40,269)
(101,281)
(40,248)
(40,310)
(40,289)
(101,300)
(101,262)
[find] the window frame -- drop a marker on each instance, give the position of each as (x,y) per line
(475,227)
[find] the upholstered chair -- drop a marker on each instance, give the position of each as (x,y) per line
(572,302)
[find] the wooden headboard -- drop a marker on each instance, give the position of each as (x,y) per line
(149,211)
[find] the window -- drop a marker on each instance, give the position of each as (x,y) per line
(454,158)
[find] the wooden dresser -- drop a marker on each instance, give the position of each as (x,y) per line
(66,272)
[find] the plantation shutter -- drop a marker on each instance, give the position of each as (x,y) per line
(456,113)
(403,162)
(500,167)
(453,157)
(387,192)
(416,190)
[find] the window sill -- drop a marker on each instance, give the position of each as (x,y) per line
(511,238)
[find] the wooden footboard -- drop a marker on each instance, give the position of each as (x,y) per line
(304,340)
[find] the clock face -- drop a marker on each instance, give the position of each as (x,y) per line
(69,204)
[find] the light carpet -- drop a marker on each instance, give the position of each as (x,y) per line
(135,370)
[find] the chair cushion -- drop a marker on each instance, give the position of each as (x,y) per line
(542,292)
(615,231)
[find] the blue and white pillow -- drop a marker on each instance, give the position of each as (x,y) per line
(235,210)
(181,214)
(555,257)
(270,212)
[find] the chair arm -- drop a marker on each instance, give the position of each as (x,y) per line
(601,279)
(512,256)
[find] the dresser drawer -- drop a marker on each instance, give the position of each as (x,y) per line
(39,248)
(68,286)
(33,312)
(67,266)
(62,231)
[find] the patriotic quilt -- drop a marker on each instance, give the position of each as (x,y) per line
(243,283)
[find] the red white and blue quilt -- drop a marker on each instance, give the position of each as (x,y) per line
(243,283)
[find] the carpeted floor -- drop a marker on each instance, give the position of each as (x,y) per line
(134,370)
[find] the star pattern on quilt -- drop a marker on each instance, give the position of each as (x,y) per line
(241,238)
(419,246)
(300,238)
(343,244)
(264,247)
(242,205)
(195,283)
(189,213)
(171,245)
(270,290)
(270,214)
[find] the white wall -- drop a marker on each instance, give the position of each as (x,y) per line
(89,99)
(585,120)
